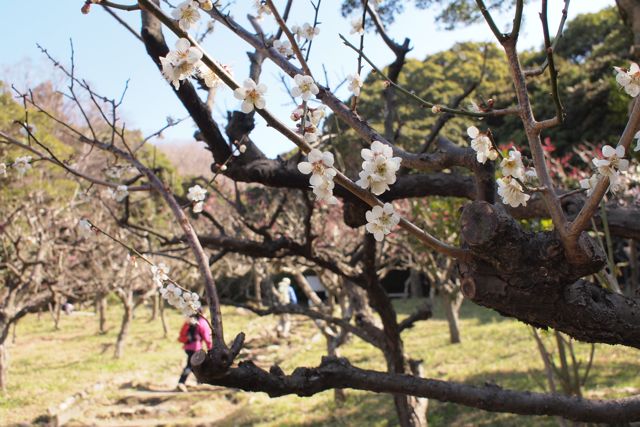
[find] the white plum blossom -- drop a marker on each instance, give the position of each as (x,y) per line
(242,148)
(474,107)
(308,126)
(296,30)
(305,87)
(589,184)
(320,166)
(197,195)
(187,14)
(613,163)
(324,191)
(356,26)
(192,303)
(297,113)
(381,220)
(261,8)
(198,207)
(160,274)
(530,175)
(27,129)
(210,78)
(172,293)
(355,83)
(379,168)
(22,164)
(309,32)
(511,192)
(629,79)
(187,302)
(315,115)
(251,95)
(283,47)
(481,144)
(3,170)
(512,165)
(85,226)
(309,131)
(180,63)
(132,259)
(120,193)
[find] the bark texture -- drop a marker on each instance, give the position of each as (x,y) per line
(526,275)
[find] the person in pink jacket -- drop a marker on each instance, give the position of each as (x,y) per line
(194,331)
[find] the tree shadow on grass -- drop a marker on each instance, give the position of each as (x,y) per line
(607,380)
(373,410)
(360,409)
(469,310)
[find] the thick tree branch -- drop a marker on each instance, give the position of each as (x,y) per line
(339,373)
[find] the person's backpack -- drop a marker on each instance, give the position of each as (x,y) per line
(192,333)
(189,333)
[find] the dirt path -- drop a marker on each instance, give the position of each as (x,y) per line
(144,399)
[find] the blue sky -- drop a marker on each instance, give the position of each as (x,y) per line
(108,56)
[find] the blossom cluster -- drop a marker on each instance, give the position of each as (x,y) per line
(610,166)
(187,14)
(381,220)
(509,187)
(283,47)
(481,144)
(379,168)
(197,195)
(119,194)
(355,83)
(320,166)
(309,124)
(261,8)
(22,165)
(180,63)
(186,61)
(357,27)
(629,79)
(185,301)
(307,31)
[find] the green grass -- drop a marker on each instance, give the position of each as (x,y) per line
(46,366)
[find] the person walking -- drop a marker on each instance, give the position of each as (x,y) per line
(286,295)
(194,331)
